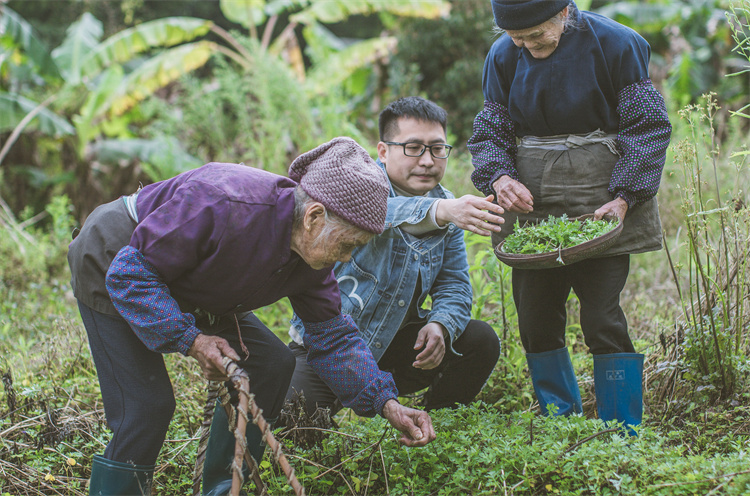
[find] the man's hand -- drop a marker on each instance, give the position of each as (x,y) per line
(415,425)
(471,213)
(431,337)
(617,207)
(210,351)
(512,195)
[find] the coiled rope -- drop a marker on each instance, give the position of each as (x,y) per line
(238,420)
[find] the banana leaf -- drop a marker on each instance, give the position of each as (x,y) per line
(330,11)
(127,44)
(246,13)
(82,38)
(337,67)
(160,158)
(155,73)
(21,33)
(13,108)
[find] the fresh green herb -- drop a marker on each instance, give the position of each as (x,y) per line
(555,233)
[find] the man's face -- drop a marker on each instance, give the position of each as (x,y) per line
(415,175)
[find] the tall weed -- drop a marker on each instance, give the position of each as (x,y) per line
(713,281)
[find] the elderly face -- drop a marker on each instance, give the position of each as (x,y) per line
(543,39)
(322,242)
(334,245)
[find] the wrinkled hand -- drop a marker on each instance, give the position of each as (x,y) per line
(431,337)
(617,207)
(512,195)
(471,213)
(415,425)
(210,351)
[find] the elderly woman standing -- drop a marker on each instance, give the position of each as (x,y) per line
(179,267)
(572,125)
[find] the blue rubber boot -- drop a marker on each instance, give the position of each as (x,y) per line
(111,478)
(618,382)
(555,381)
(217,466)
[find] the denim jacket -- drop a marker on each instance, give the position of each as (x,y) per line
(378,283)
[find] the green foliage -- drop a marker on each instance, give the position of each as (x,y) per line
(694,50)
(16,32)
(555,233)
(442,59)
(160,158)
(33,278)
(715,346)
(261,117)
(13,109)
(739,23)
(482,452)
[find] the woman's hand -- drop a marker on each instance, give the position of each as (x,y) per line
(471,213)
(414,425)
(210,352)
(512,195)
(617,207)
(432,338)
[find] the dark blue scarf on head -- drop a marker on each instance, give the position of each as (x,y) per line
(524,14)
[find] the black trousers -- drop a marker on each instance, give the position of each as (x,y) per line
(457,380)
(137,392)
(540,297)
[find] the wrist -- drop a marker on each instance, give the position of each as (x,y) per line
(389,407)
(192,347)
(441,213)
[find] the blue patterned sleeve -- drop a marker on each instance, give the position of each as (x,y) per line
(342,359)
(492,146)
(643,139)
(142,298)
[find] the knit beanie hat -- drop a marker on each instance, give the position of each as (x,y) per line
(524,14)
(346,180)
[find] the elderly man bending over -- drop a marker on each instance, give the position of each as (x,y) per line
(179,267)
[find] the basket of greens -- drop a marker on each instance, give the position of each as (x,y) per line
(558,241)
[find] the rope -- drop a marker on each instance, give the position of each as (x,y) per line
(208,416)
(238,420)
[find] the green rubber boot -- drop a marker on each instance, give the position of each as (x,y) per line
(217,467)
(111,478)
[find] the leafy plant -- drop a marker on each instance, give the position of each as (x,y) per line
(555,233)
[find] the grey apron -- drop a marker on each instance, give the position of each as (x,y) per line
(106,230)
(572,179)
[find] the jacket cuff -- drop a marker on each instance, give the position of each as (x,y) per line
(186,341)
(381,399)
(629,199)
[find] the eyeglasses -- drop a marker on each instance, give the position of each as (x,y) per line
(440,150)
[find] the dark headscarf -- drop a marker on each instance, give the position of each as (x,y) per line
(524,14)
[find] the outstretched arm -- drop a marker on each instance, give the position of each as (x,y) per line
(471,213)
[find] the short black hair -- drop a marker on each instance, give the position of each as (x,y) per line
(410,106)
